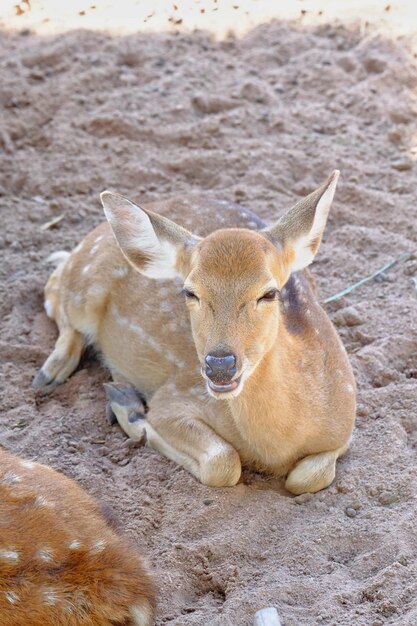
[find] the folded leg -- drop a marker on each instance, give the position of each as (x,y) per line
(175,426)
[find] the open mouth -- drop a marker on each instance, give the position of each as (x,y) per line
(224,387)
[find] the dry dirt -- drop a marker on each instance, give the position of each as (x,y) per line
(260,119)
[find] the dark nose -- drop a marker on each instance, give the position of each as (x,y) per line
(220,367)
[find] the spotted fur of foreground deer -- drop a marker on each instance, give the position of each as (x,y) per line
(61,563)
(254,373)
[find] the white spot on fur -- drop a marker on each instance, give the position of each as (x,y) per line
(28,464)
(74,544)
(10,478)
(50,597)
(48,307)
(165,306)
(45,554)
(86,269)
(96,290)
(42,501)
(99,238)
(348,388)
(9,555)
(94,249)
(98,546)
(142,615)
(121,272)
(145,338)
(12,597)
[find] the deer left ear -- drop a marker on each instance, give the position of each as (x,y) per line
(298,233)
(156,246)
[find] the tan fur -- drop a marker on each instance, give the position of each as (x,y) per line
(61,564)
(296,398)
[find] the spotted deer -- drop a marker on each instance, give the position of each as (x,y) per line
(254,373)
(61,563)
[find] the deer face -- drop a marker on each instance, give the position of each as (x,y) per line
(232,293)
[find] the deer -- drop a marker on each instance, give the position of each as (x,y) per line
(219,350)
(62,563)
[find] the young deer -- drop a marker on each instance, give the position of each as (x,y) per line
(259,376)
(61,564)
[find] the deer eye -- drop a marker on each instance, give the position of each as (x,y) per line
(269,296)
(189,294)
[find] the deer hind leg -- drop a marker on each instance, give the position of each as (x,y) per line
(314,472)
(61,363)
(68,347)
(173,426)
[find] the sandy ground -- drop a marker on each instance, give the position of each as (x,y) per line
(261,119)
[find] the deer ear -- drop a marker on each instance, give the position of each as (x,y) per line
(298,233)
(153,244)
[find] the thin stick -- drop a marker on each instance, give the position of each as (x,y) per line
(267,617)
(403,257)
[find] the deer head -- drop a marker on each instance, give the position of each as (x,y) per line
(232,278)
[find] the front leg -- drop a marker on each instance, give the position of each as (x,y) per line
(175,426)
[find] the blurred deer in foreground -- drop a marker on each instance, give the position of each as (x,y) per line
(61,564)
(255,374)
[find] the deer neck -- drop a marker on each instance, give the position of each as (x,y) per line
(266,394)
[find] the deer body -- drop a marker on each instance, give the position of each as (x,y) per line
(254,373)
(61,563)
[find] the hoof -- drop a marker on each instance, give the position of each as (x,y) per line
(43,385)
(123,394)
(123,405)
(40,380)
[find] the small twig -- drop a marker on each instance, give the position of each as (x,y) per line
(267,617)
(402,258)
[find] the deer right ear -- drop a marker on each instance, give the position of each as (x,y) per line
(153,244)
(299,231)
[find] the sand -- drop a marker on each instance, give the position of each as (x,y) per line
(260,119)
